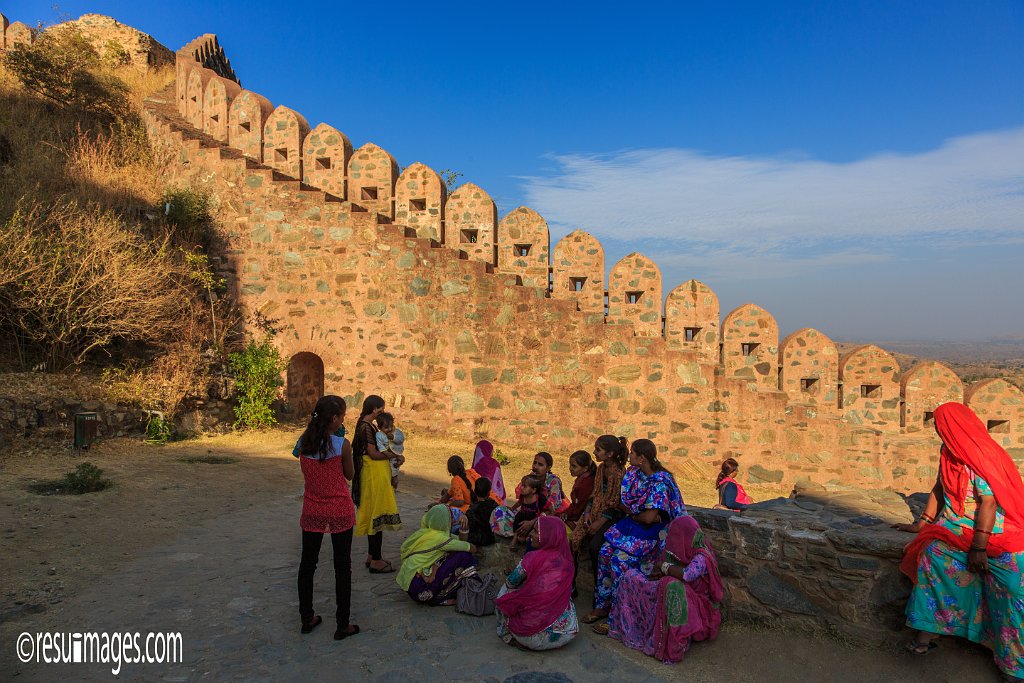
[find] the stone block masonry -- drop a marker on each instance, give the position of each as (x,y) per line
(476,327)
(844,582)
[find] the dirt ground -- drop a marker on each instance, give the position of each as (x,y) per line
(54,547)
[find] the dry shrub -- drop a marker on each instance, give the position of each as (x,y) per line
(162,385)
(74,280)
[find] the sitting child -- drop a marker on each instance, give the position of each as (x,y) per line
(460,494)
(530,505)
(479,514)
(391,440)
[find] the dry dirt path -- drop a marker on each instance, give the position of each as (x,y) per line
(226,581)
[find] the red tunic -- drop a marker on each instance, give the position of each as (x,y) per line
(326,502)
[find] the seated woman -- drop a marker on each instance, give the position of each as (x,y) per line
(434,562)
(663,615)
(967,562)
(486,465)
(650,494)
(555,501)
(534,607)
(731,495)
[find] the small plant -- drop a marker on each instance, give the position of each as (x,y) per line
(257,369)
(86,478)
(158,429)
(501,457)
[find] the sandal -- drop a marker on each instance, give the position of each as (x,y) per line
(920,649)
(388,568)
(351,630)
(593,618)
(600,629)
(312,623)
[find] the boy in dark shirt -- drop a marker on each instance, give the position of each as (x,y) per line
(479,513)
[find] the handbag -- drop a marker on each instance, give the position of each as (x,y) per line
(477,594)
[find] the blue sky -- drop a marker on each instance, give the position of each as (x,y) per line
(852,166)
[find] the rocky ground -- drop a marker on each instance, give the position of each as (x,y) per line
(211,551)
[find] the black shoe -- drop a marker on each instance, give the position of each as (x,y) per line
(343,633)
(312,623)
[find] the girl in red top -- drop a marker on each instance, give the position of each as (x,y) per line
(327,508)
(731,495)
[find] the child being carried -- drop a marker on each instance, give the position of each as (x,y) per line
(391,440)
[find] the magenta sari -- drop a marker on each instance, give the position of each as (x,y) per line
(486,466)
(548,588)
(662,618)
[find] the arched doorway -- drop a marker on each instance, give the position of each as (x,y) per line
(305,383)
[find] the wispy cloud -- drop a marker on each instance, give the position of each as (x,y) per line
(775,213)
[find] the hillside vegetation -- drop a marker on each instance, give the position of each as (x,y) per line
(101,264)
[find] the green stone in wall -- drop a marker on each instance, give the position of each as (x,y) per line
(483,375)
(453,287)
(419,286)
(376,309)
(406,260)
(339,234)
(496,403)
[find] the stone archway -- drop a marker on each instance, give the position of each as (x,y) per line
(305,383)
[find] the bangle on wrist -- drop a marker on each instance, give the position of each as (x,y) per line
(926,518)
(978,550)
(665,566)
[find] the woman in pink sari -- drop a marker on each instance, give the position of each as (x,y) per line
(534,607)
(663,615)
(485,465)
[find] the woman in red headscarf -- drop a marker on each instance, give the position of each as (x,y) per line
(967,562)
(534,607)
(662,615)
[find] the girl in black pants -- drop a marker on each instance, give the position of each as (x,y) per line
(327,508)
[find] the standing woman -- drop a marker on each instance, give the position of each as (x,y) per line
(327,508)
(650,494)
(372,488)
(967,562)
(611,453)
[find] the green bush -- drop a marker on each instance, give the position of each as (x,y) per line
(257,370)
(501,457)
(158,429)
(188,213)
(86,478)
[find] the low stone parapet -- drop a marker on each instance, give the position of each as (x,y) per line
(792,570)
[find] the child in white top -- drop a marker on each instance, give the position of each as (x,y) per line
(391,440)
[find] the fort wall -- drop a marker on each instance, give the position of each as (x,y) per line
(476,327)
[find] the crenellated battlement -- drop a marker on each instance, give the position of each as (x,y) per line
(386,281)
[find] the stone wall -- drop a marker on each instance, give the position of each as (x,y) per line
(380,281)
(27,415)
(779,568)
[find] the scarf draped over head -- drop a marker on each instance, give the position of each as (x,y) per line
(686,610)
(486,466)
(966,448)
(545,594)
(426,545)
(659,490)
(685,540)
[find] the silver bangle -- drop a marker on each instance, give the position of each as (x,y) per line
(665,566)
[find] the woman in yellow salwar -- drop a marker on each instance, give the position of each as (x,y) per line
(372,492)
